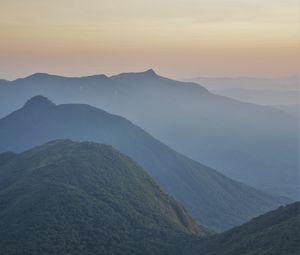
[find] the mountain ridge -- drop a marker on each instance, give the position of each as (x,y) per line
(84,198)
(213,199)
(260,146)
(273,233)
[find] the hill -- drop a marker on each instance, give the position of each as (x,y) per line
(274,233)
(67,197)
(212,199)
(257,145)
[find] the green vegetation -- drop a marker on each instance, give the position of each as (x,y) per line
(84,198)
(212,199)
(274,233)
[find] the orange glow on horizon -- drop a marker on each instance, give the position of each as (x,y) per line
(179,38)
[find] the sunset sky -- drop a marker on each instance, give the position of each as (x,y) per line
(177,38)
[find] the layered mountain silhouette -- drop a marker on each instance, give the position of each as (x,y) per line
(264,91)
(274,233)
(212,199)
(68,197)
(255,144)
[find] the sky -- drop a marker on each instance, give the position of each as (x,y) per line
(177,38)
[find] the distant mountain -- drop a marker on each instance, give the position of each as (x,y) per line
(3,82)
(274,233)
(292,109)
(262,96)
(257,145)
(263,91)
(213,199)
(84,198)
(279,83)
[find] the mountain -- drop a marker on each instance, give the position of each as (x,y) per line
(281,92)
(262,96)
(68,197)
(212,199)
(220,83)
(274,233)
(257,145)
(292,109)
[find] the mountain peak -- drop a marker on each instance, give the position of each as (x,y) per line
(39,101)
(39,75)
(95,77)
(150,72)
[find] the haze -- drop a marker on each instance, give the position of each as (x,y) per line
(179,38)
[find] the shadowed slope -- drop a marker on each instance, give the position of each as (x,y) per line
(213,199)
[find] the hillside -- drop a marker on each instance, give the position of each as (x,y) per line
(254,144)
(274,233)
(84,198)
(212,199)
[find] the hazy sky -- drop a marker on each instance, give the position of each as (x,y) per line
(178,38)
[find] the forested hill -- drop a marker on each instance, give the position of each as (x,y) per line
(84,198)
(274,233)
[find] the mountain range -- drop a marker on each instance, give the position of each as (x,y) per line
(282,92)
(67,197)
(213,199)
(257,145)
